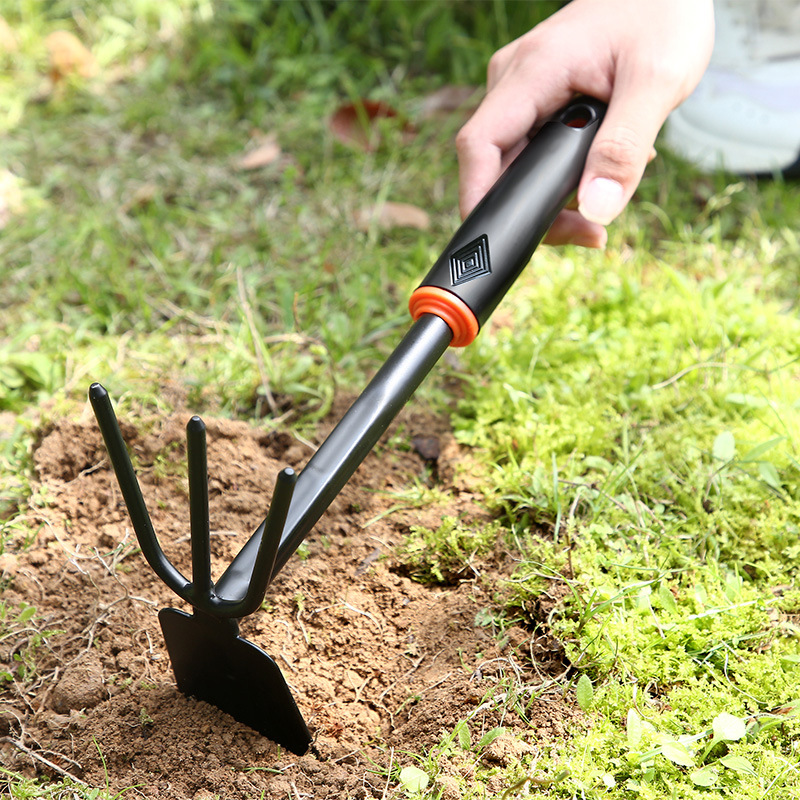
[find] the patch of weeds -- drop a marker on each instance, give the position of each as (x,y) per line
(642,436)
(19,787)
(448,554)
(473,762)
(671,758)
(416,495)
(16,469)
(145,720)
(21,642)
(25,372)
(170,462)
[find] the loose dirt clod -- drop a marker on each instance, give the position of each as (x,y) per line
(80,687)
(378,663)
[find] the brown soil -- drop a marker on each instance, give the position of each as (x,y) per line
(380,666)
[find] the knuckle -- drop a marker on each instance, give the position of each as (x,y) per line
(621,150)
(531,48)
(496,66)
(465,140)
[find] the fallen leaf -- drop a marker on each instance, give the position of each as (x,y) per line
(427,447)
(8,39)
(392,215)
(355,124)
(448,99)
(68,56)
(266,152)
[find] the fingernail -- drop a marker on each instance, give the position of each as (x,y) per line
(602,200)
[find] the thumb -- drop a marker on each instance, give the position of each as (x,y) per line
(619,154)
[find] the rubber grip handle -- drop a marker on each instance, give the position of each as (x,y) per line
(497,239)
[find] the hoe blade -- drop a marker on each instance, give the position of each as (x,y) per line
(212,663)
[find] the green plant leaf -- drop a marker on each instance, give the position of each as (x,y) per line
(724,447)
(464,737)
(633,726)
(489,737)
(728,728)
(737,764)
(769,474)
(746,400)
(667,599)
(677,753)
(584,692)
(759,450)
(707,776)
(413,780)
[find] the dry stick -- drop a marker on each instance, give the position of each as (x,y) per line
(251,324)
(44,698)
(678,375)
(43,760)
(388,774)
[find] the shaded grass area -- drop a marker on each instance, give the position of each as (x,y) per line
(636,410)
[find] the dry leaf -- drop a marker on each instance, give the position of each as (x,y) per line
(266,152)
(354,124)
(427,447)
(448,99)
(68,56)
(392,215)
(8,39)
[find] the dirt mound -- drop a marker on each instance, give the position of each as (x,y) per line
(378,664)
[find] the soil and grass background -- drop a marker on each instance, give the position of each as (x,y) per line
(568,570)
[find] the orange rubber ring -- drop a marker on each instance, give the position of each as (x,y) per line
(453,310)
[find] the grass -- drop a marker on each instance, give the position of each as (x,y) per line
(648,418)
(639,439)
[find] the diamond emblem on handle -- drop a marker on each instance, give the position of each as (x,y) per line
(470,261)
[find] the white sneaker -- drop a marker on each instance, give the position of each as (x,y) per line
(744,115)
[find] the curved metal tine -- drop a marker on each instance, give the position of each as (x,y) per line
(129,486)
(274,524)
(197,461)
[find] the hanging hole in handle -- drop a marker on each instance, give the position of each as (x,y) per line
(578,116)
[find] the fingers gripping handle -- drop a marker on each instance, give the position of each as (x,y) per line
(497,239)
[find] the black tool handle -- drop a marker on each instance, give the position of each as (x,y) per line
(513,218)
(497,239)
(476,269)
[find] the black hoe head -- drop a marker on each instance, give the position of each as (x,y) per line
(213,663)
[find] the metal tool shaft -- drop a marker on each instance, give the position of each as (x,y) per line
(348,444)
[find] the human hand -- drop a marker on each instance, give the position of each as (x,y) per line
(642,57)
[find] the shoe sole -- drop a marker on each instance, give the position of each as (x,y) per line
(707,151)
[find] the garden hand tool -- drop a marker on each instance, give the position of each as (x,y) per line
(210,660)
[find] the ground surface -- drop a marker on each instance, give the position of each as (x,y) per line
(371,655)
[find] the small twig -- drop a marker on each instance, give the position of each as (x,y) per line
(702,365)
(366,614)
(288,663)
(51,685)
(306,637)
(388,774)
(36,757)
